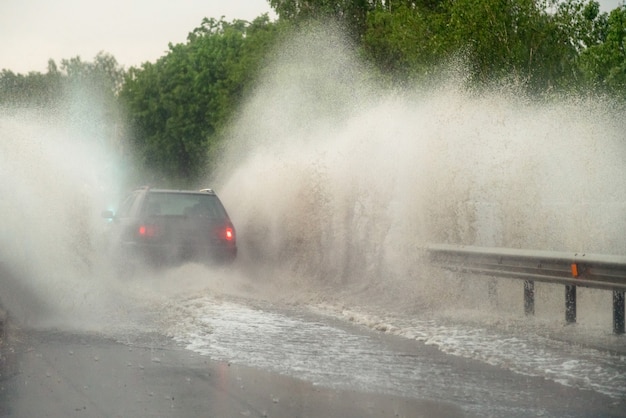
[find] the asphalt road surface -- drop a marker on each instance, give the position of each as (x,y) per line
(49,374)
(60,374)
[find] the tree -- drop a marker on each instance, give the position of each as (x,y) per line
(30,90)
(101,78)
(405,40)
(178,106)
(351,14)
(604,63)
(104,74)
(534,42)
(499,37)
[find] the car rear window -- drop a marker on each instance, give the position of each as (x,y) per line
(182,204)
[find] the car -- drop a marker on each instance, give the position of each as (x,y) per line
(161,227)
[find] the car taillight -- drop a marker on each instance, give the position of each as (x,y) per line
(148,231)
(225,233)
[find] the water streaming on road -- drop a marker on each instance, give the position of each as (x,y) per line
(312,344)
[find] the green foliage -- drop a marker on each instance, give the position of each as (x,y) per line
(535,42)
(405,40)
(99,79)
(18,90)
(499,36)
(179,105)
(604,63)
(352,14)
(31,90)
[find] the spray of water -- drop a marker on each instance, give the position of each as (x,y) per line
(331,180)
(338,181)
(56,175)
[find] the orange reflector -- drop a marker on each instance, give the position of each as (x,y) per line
(574,270)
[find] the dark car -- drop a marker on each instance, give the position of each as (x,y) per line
(164,227)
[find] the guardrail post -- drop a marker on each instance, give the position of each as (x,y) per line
(570,303)
(596,271)
(529,297)
(618,312)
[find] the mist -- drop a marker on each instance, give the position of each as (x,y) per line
(334,182)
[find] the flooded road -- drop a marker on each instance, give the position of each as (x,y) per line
(66,375)
(484,370)
(485,373)
(236,358)
(168,336)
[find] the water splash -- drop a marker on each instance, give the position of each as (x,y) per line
(57,173)
(331,176)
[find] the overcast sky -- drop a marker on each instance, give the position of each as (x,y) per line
(133,31)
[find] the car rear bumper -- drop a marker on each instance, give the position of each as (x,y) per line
(164,255)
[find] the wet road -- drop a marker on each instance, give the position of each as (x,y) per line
(231,359)
(66,375)
(339,354)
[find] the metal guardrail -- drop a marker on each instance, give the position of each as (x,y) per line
(597,271)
